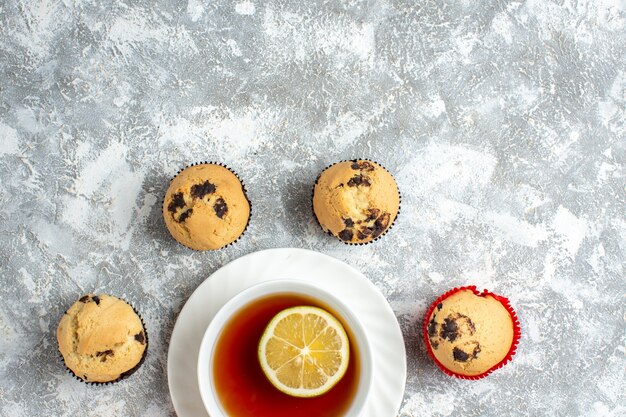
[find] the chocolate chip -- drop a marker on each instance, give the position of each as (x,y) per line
(104,354)
(434,344)
(378,230)
(184,215)
(359,180)
(84,299)
(96,299)
(200,190)
(456,325)
(439,306)
(140,338)
(432,328)
(220,207)
(364,232)
(449,329)
(459,355)
(348,222)
(362,165)
(346,235)
(372,214)
(177,201)
(383,220)
(380,225)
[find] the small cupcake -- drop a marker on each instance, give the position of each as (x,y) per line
(356,201)
(205,207)
(470,334)
(101,339)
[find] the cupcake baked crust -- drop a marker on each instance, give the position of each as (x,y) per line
(205,207)
(100,338)
(356,201)
(469,334)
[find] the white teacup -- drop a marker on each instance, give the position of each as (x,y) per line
(211,336)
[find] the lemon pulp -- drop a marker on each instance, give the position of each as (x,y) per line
(304,351)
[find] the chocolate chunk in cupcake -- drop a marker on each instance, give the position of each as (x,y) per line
(205,207)
(98,338)
(356,201)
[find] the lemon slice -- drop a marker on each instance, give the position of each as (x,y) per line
(304,351)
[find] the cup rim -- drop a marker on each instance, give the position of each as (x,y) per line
(211,335)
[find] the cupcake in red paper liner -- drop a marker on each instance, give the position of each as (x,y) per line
(470,334)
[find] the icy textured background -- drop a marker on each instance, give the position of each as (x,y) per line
(504,123)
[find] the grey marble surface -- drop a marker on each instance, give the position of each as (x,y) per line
(504,123)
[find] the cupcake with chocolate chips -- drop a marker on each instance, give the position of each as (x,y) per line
(470,334)
(356,201)
(205,207)
(101,339)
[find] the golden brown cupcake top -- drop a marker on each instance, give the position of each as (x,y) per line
(469,334)
(205,207)
(100,337)
(356,201)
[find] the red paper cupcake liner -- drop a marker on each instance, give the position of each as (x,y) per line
(245,194)
(328,232)
(507,305)
(124,374)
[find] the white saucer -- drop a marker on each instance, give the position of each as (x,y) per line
(345,282)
